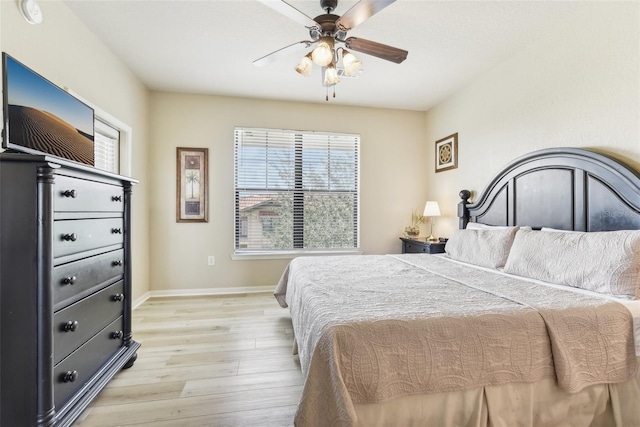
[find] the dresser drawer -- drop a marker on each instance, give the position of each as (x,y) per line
(70,281)
(80,321)
(79,195)
(74,371)
(79,235)
(414,246)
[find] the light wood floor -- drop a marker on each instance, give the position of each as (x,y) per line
(205,361)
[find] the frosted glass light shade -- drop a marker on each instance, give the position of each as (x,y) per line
(305,65)
(322,55)
(331,75)
(351,64)
(431,209)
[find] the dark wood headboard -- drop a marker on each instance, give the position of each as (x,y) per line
(564,188)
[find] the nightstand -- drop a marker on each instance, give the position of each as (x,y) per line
(420,246)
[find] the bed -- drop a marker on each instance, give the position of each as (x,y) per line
(531,318)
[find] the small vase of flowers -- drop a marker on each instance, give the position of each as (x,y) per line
(414,229)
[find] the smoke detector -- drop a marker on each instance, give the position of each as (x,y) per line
(31,11)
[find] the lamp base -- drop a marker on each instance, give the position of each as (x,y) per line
(432,239)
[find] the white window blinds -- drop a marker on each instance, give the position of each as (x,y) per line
(106,147)
(296,190)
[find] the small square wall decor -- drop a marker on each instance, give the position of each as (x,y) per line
(192,185)
(447,153)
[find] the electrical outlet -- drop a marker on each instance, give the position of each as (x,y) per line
(211,260)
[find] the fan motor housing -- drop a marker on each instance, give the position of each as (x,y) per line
(327,23)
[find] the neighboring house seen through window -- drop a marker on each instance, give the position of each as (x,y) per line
(244,227)
(296,191)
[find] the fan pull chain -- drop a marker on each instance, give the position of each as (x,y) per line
(327,92)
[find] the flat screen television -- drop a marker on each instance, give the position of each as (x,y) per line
(42,118)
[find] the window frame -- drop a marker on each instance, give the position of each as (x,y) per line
(126,134)
(299,193)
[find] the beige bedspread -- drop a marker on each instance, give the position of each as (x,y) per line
(373,328)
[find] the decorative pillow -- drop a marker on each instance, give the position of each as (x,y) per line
(607,262)
(480,226)
(487,248)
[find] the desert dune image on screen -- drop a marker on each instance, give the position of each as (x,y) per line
(45,118)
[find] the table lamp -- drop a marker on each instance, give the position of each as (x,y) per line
(431,209)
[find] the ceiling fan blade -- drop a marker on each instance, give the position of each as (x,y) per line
(291,12)
(360,12)
(379,50)
(281,53)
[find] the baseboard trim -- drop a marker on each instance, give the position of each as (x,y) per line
(210,291)
(138,301)
(200,292)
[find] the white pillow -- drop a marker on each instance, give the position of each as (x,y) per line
(607,262)
(487,248)
(557,230)
(480,226)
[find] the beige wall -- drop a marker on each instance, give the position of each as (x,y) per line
(64,51)
(392,180)
(579,87)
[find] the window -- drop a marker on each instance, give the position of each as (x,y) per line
(244,227)
(112,141)
(296,191)
(106,147)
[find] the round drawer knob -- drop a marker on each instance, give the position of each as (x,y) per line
(118,297)
(116,230)
(70,193)
(117,335)
(117,263)
(70,376)
(70,326)
(69,280)
(116,198)
(70,237)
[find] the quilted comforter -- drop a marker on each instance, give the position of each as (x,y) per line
(372,328)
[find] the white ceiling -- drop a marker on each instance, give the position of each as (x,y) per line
(208,46)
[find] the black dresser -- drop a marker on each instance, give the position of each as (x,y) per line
(65,287)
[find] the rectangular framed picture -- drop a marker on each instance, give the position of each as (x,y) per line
(447,153)
(192,185)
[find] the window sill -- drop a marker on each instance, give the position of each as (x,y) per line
(289,254)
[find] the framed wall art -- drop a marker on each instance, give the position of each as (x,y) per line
(447,153)
(192,185)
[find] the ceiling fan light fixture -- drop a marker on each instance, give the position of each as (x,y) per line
(331,75)
(322,55)
(327,30)
(305,65)
(351,64)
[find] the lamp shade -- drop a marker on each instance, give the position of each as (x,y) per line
(305,65)
(322,55)
(351,64)
(431,209)
(331,76)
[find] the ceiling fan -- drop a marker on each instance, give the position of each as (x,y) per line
(327,30)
